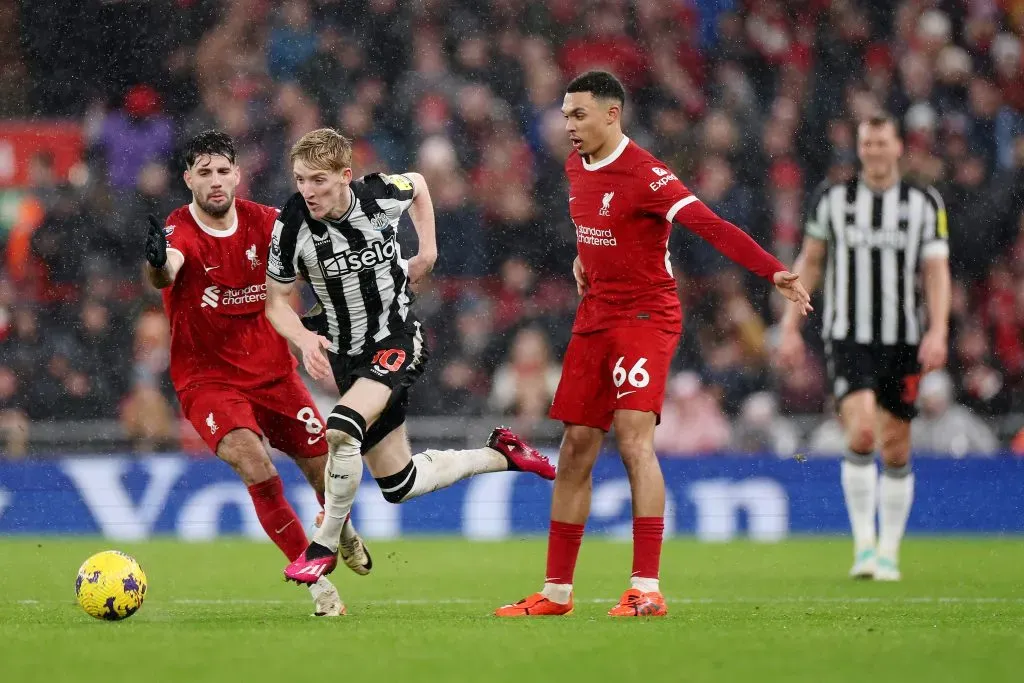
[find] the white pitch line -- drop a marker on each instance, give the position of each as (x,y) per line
(674,600)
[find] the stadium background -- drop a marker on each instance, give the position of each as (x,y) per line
(751,103)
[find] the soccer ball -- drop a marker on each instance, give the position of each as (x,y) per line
(110,585)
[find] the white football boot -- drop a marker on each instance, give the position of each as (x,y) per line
(865,565)
(326,600)
(353,551)
(887,570)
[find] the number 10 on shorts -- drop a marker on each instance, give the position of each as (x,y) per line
(636,376)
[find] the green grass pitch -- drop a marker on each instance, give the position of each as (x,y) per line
(738,612)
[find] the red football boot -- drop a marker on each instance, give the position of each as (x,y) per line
(521,456)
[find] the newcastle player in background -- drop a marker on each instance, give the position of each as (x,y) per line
(882,243)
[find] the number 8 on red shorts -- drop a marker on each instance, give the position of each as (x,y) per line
(622,368)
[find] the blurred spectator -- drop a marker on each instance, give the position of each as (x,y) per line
(292,39)
(692,421)
(946,428)
(146,414)
(460,238)
(761,429)
(134,135)
(525,384)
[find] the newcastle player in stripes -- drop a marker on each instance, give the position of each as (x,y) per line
(338,234)
(880,240)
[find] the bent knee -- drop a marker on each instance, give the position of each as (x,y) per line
(341,440)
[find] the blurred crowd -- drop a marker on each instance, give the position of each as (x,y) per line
(751,102)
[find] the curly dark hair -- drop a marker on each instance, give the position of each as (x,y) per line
(209,142)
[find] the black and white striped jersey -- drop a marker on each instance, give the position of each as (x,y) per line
(876,244)
(354,264)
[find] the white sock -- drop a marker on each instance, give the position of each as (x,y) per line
(895,497)
(644,585)
(321,586)
(859,477)
(341,481)
(439,469)
(557,592)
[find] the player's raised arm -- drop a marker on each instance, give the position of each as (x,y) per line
(421,211)
(162,263)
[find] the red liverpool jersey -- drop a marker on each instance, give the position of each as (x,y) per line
(219,332)
(623,208)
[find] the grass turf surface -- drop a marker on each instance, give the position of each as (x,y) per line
(738,612)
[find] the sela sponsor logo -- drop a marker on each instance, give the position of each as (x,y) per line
(213,298)
(211,423)
(664,178)
(606,204)
(595,237)
(356,260)
(881,239)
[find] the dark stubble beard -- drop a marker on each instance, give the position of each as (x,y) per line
(214,210)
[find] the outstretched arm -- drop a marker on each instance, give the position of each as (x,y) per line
(741,248)
(162,264)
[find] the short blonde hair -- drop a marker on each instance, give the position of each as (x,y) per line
(324,149)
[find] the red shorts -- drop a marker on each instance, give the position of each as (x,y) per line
(623,368)
(284,412)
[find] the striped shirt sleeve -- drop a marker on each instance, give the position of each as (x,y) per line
(393,192)
(283,260)
(935,236)
(817,223)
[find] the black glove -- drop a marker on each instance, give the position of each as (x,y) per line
(315,320)
(156,243)
(293,212)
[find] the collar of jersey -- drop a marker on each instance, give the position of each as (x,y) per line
(319,226)
(210,231)
(610,158)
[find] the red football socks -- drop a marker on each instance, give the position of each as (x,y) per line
(563,548)
(278,518)
(647,535)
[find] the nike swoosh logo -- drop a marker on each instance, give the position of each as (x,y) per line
(277,531)
(571,198)
(210,268)
(313,440)
(624,393)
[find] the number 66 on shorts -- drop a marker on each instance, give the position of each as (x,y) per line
(622,368)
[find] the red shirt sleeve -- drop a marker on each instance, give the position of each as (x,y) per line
(732,242)
(177,237)
(660,192)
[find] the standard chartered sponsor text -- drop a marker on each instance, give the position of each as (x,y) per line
(595,237)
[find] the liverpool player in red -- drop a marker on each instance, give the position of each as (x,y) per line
(234,375)
(623,202)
